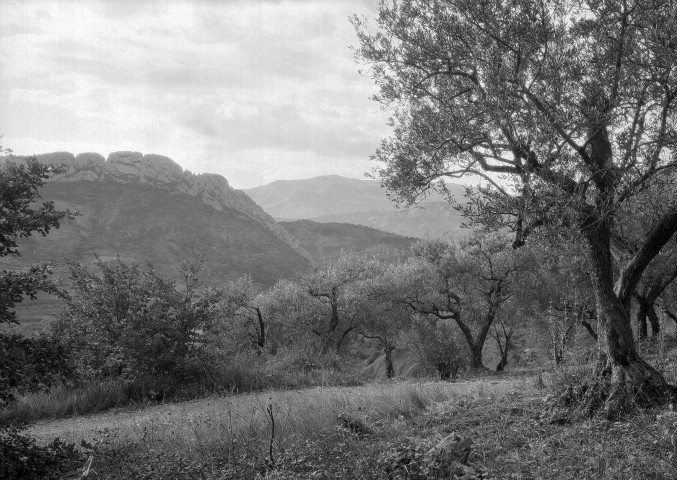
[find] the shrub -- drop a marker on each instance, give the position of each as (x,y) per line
(125,321)
(31,364)
(21,457)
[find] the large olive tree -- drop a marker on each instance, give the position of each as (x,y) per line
(573,101)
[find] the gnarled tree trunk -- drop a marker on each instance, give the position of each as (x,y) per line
(630,375)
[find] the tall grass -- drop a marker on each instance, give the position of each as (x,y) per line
(241,374)
(237,430)
(63,401)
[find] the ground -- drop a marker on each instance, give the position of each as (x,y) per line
(231,437)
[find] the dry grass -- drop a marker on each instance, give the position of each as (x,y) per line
(230,437)
(245,373)
(300,412)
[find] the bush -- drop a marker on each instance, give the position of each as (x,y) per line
(125,321)
(31,364)
(21,457)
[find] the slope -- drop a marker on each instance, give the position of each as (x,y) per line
(325,241)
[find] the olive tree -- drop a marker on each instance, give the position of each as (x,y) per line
(243,308)
(572,101)
(467,284)
(384,317)
(334,306)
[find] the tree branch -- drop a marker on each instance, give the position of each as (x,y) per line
(665,227)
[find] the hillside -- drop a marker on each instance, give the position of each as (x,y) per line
(146,208)
(437,219)
(325,241)
(145,223)
(363,202)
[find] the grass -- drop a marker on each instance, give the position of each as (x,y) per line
(296,434)
(232,437)
(242,374)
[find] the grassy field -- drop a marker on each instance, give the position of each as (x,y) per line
(296,434)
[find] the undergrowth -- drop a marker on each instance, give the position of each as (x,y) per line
(242,374)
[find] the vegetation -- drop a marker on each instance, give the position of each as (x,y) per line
(124,321)
(233,438)
(19,189)
(27,364)
(573,102)
(572,258)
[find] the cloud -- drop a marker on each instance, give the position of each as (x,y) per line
(194,80)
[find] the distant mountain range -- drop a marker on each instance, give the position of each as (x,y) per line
(338,199)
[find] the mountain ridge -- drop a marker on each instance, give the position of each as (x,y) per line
(162,172)
(332,198)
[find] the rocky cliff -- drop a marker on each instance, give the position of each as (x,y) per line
(162,172)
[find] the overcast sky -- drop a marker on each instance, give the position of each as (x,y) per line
(254,90)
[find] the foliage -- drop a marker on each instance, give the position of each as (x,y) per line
(31,365)
(19,189)
(435,342)
(573,102)
(28,364)
(20,217)
(22,457)
(333,298)
(122,320)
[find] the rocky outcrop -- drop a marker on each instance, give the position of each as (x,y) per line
(162,172)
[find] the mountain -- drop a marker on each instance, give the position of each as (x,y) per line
(325,241)
(314,197)
(146,208)
(363,202)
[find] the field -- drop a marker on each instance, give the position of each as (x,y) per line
(297,434)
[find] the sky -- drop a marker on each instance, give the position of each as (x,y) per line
(254,90)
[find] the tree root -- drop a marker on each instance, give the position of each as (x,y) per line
(601,397)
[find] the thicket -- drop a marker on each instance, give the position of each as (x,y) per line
(124,321)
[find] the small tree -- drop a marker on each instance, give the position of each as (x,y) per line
(242,305)
(335,298)
(503,338)
(123,320)
(467,284)
(384,316)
